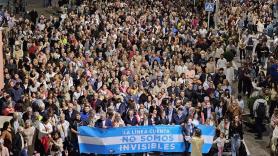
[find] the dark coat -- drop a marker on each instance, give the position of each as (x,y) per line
(17,144)
(179,120)
(131,122)
(108,123)
(205,111)
(68,117)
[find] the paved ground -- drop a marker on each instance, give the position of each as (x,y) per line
(255,147)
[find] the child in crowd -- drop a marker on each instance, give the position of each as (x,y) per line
(220,141)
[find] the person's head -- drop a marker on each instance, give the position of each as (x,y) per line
(131,112)
(78,116)
(222,135)
(6,125)
(239,97)
(55,135)
(41,106)
(62,117)
(28,123)
(117,117)
(221,70)
(86,109)
(206,99)
(103,116)
(70,106)
(226,120)
(29,110)
(45,119)
(236,118)
(149,98)
(198,133)
(173,83)
(221,56)
(17,85)
(15,115)
(20,129)
(189,121)
(234,104)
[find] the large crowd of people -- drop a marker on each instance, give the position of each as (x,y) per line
(137,62)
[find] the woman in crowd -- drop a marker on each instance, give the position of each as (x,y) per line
(29,133)
(117,121)
(197,143)
(236,134)
(6,135)
(56,144)
(42,141)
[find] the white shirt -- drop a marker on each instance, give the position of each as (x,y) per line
(203,32)
(221,63)
(41,26)
(178,68)
(220,142)
(230,74)
(218,52)
(260,27)
(76,95)
(63,129)
(103,123)
(44,129)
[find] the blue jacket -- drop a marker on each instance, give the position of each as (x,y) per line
(84,116)
(179,120)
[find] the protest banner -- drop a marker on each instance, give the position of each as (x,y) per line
(136,139)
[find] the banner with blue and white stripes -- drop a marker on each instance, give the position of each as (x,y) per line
(137,139)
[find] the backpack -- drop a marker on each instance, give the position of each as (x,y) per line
(261,109)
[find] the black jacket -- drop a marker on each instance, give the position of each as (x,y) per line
(236,129)
(68,117)
(17,144)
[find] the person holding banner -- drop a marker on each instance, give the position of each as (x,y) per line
(197,143)
(103,122)
(74,133)
(179,118)
(130,119)
(118,121)
(189,128)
